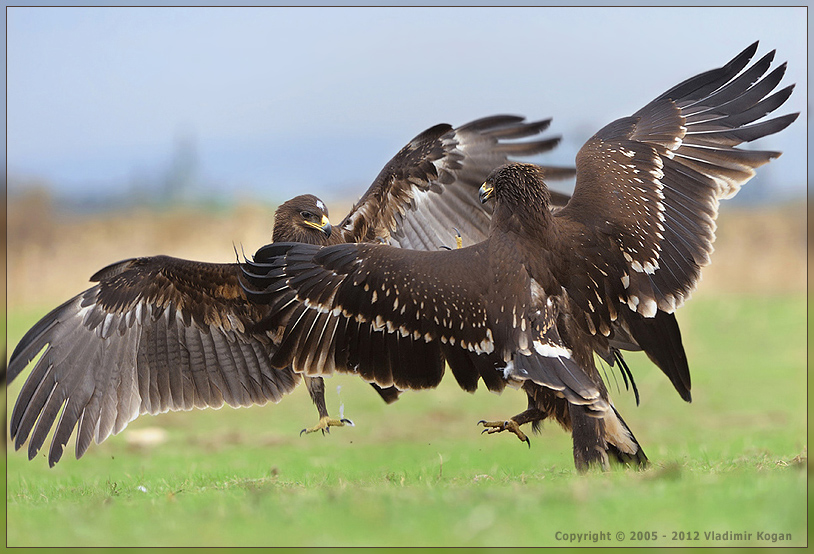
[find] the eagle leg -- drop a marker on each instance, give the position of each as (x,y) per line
(529,416)
(316,388)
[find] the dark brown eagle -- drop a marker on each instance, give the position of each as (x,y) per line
(160,333)
(531,304)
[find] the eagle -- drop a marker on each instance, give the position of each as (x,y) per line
(160,333)
(547,290)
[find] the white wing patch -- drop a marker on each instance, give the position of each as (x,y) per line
(551,350)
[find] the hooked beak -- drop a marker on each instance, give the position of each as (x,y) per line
(485,192)
(324,225)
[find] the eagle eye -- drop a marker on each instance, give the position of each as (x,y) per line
(307,215)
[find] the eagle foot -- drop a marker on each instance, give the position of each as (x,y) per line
(508,425)
(325,424)
(459,241)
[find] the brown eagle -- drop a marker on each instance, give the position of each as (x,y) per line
(531,304)
(160,333)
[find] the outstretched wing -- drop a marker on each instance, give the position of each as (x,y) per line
(155,334)
(395,315)
(648,188)
(429,189)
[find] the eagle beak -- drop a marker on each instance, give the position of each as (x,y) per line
(485,193)
(324,225)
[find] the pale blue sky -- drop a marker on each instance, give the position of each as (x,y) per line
(280,101)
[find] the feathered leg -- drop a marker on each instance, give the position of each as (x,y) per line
(316,388)
(589,443)
(597,439)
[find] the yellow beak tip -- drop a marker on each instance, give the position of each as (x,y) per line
(485,193)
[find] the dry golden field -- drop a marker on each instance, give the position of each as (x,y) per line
(51,254)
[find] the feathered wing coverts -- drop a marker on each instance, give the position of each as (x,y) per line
(160,333)
(544,291)
(529,300)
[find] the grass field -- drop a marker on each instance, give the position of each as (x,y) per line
(418,473)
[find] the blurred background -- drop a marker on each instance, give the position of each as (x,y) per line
(138,131)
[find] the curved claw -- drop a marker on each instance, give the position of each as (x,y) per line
(313,429)
(325,423)
(500,426)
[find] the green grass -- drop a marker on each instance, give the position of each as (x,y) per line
(418,473)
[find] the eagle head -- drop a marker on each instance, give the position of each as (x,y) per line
(302,219)
(519,187)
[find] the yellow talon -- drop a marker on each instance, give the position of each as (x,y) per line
(508,425)
(325,424)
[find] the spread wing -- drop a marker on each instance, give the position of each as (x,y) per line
(648,187)
(155,334)
(430,188)
(395,315)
